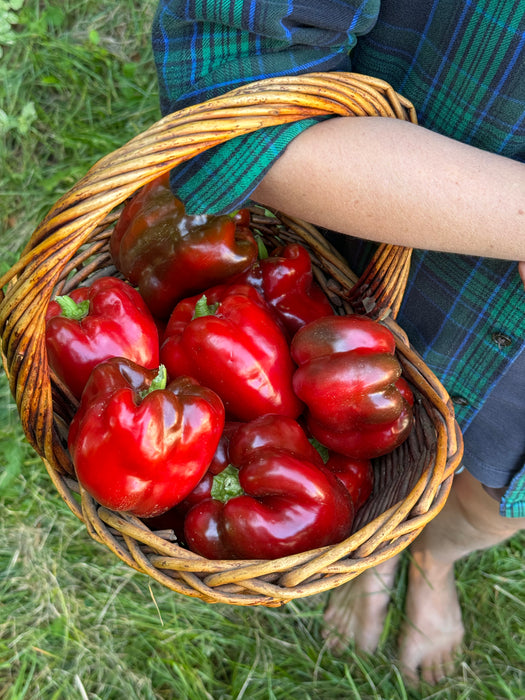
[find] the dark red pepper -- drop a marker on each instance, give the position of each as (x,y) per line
(356,474)
(139,445)
(348,376)
(105,319)
(277,500)
(229,341)
(170,255)
(286,282)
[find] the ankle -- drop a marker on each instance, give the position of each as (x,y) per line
(425,565)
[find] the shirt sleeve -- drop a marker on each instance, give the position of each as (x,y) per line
(204,48)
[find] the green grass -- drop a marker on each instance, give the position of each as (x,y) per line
(77,81)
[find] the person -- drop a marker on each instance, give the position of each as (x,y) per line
(451,187)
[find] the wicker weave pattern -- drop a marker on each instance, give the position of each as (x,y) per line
(71,246)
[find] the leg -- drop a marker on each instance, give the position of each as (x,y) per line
(469,521)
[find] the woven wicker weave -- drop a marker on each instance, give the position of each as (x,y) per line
(71,246)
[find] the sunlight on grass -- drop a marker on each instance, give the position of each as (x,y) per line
(76,82)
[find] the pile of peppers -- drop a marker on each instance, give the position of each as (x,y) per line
(216,392)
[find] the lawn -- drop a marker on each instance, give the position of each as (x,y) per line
(76,81)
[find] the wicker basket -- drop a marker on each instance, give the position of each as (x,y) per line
(71,246)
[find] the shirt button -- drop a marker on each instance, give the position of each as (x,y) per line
(459,400)
(501,340)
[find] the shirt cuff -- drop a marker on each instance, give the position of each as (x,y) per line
(222,179)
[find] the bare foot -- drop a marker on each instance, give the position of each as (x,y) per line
(356,611)
(432,635)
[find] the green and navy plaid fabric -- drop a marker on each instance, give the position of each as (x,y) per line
(462,65)
(205,48)
(461,62)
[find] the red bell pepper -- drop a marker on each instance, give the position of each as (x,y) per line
(106,319)
(356,474)
(286,282)
(139,445)
(277,500)
(348,376)
(229,341)
(170,255)
(270,430)
(173,519)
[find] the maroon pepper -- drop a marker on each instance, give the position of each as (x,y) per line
(356,474)
(286,282)
(170,255)
(350,379)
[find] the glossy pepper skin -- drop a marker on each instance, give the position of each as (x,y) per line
(286,282)
(106,319)
(139,445)
(277,499)
(170,255)
(357,475)
(228,340)
(173,519)
(262,432)
(350,379)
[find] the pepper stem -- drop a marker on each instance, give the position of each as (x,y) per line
(71,309)
(323,451)
(226,485)
(202,308)
(160,381)
(157,383)
(262,250)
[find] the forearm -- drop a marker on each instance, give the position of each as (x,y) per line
(391,181)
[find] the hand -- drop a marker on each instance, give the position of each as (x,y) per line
(521,268)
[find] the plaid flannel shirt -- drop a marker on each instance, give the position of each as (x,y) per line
(462,65)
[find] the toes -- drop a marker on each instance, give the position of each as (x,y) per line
(432,664)
(410,663)
(432,674)
(445,664)
(437,669)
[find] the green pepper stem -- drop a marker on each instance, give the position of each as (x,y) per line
(157,383)
(261,248)
(71,309)
(323,451)
(202,308)
(226,485)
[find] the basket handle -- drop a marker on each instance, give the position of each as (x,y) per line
(76,217)
(380,289)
